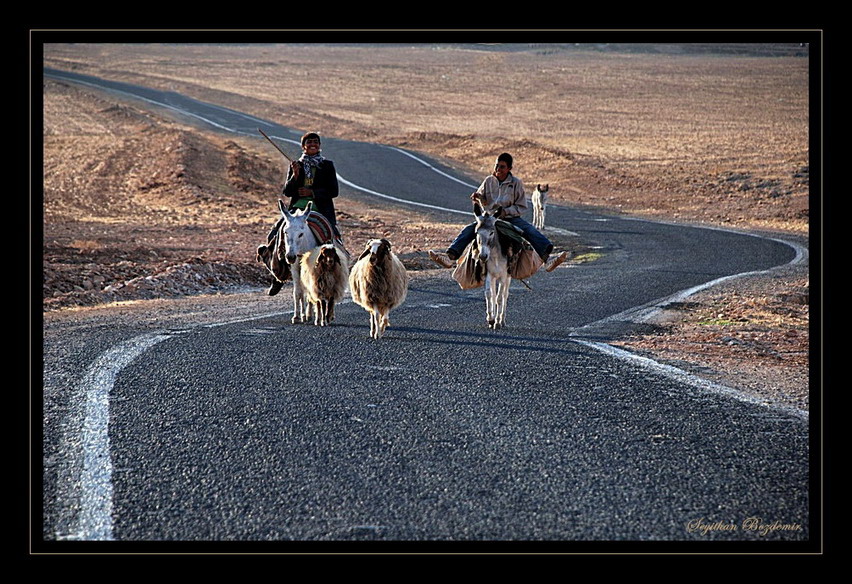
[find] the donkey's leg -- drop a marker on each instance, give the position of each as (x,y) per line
(298,300)
(298,296)
(503,300)
(495,302)
(497,297)
(490,300)
(487,290)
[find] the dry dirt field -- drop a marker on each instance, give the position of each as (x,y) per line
(138,205)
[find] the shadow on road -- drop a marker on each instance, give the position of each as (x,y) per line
(486,339)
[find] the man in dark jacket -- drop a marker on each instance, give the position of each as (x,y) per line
(311,178)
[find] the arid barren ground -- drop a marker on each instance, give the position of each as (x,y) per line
(137,205)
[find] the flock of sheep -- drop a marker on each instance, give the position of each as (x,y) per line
(378,282)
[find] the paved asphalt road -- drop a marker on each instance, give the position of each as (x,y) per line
(256,430)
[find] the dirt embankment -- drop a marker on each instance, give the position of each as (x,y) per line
(139,206)
(136,206)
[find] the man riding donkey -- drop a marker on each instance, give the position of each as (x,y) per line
(310,179)
(503,192)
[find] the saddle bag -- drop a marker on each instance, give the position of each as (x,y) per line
(522,258)
(280,270)
(526,263)
(469,273)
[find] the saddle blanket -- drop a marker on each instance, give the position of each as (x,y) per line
(514,234)
(321,227)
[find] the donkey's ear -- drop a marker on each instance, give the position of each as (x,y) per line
(308,207)
(477,209)
(283,208)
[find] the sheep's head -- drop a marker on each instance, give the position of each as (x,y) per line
(327,256)
(376,249)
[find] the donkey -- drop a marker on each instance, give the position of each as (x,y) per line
(493,258)
(539,205)
(295,238)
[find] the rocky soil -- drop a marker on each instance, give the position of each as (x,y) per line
(139,206)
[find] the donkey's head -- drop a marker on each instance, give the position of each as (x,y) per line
(294,236)
(487,241)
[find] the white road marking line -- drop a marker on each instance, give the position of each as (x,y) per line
(296,142)
(94,522)
(430,167)
(686,378)
(647,311)
(398,200)
(95,519)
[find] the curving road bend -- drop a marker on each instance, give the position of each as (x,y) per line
(241,427)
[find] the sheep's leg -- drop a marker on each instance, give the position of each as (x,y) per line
(324,308)
(330,312)
(374,329)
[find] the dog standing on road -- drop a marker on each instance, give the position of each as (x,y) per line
(539,205)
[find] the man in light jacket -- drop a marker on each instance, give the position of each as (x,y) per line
(504,192)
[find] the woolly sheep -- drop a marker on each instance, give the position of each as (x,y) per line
(324,272)
(378,283)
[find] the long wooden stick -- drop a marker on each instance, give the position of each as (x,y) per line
(276,145)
